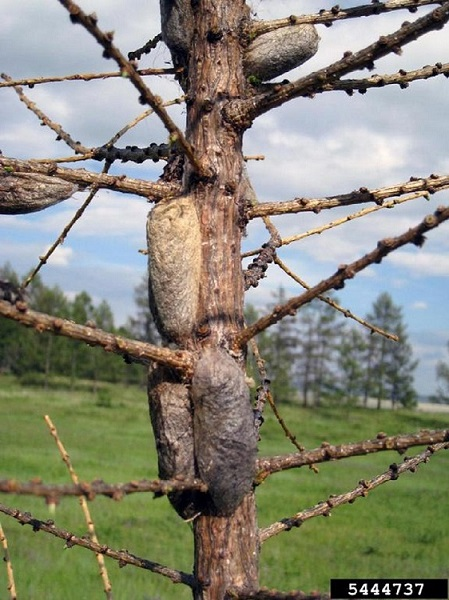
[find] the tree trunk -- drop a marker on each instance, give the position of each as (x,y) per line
(226,541)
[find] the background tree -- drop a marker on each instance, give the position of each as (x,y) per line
(204,200)
(443,381)
(390,364)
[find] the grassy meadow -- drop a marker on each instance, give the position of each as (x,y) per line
(400,530)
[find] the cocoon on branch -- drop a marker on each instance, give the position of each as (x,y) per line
(276,52)
(171,418)
(224,433)
(174,252)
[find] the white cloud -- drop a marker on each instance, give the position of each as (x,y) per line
(61,256)
(422,264)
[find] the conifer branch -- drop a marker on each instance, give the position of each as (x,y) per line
(402,78)
(344,311)
(337,280)
(324,508)
(90,490)
(58,129)
(9,570)
(40,172)
(329,452)
(430,185)
(131,350)
(105,39)
(83,503)
(243,112)
(122,556)
(337,13)
(33,81)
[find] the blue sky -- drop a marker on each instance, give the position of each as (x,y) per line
(313,148)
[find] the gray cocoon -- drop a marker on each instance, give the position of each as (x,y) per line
(174,253)
(276,52)
(171,418)
(224,433)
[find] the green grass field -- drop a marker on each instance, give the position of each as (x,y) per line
(399,530)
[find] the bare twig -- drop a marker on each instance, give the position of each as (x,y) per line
(362,489)
(89,22)
(131,350)
(83,503)
(337,280)
(9,570)
(243,112)
(92,489)
(83,178)
(344,311)
(432,184)
(32,81)
(122,556)
(402,78)
(58,129)
(327,452)
(264,395)
(336,13)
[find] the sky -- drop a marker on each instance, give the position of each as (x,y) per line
(317,147)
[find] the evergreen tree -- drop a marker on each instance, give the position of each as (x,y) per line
(389,364)
(351,372)
(319,332)
(442,373)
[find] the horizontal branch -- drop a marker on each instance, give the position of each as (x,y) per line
(336,13)
(243,112)
(131,350)
(98,488)
(327,452)
(122,556)
(80,178)
(432,184)
(337,280)
(324,508)
(402,78)
(32,81)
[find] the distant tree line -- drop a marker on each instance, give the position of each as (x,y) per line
(319,356)
(43,358)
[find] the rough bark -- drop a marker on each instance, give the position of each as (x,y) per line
(226,547)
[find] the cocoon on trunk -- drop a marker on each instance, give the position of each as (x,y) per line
(171,418)
(174,253)
(224,434)
(276,52)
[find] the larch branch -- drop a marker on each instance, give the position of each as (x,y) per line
(122,556)
(58,129)
(402,78)
(337,13)
(82,179)
(337,280)
(243,112)
(90,490)
(324,508)
(131,350)
(432,184)
(9,570)
(89,22)
(32,81)
(329,452)
(344,311)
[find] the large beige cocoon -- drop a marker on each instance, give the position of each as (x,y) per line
(279,51)
(224,433)
(174,252)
